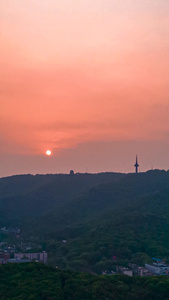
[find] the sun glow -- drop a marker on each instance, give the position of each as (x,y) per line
(48,152)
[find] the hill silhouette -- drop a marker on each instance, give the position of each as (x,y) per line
(100,216)
(26,196)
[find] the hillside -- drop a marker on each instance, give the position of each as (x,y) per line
(128,219)
(36,281)
(100,216)
(27,197)
(117,194)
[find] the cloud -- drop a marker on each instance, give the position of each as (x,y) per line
(82,72)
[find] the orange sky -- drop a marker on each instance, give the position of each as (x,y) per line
(89,81)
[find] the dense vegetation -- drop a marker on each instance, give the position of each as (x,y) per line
(100,217)
(128,219)
(34,281)
(26,197)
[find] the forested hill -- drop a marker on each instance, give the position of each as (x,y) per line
(128,219)
(128,192)
(36,281)
(26,196)
(100,216)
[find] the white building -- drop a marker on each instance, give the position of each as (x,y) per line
(158,268)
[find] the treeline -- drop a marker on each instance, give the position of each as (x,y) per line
(100,216)
(27,197)
(127,219)
(34,281)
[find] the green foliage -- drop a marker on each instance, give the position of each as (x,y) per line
(128,219)
(100,216)
(26,197)
(37,281)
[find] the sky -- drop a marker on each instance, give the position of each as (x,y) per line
(87,80)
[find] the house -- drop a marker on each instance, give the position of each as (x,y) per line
(158,268)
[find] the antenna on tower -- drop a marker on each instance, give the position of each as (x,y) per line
(136,165)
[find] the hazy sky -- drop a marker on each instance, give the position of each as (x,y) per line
(88,80)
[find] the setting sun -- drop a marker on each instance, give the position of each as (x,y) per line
(83,82)
(48,152)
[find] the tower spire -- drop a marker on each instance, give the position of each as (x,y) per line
(136,165)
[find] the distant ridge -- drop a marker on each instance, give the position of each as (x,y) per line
(99,216)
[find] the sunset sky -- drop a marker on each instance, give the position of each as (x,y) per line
(88,80)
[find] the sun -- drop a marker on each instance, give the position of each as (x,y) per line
(48,152)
